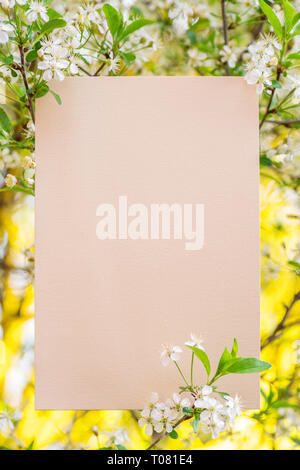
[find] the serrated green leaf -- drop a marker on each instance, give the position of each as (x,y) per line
(135,25)
(202,356)
(113,19)
(4,121)
(173,434)
(274,20)
(246,365)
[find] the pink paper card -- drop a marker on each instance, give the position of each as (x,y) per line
(147,229)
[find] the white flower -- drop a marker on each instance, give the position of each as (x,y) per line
(54,64)
(228,56)
(11,3)
(202,396)
(29,181)
(114,63)
(7,421)
(177,403)
(28,162)
(170,354)
(118,437)
(260,78)
(5,28)
(233,407)
(196,341)
(163,419)
(37,9)
(10,180)
(196,56)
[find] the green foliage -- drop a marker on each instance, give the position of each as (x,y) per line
(272,17)
(4,121)
(202,356)
(113,19)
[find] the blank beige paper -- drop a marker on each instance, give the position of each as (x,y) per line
(104,307)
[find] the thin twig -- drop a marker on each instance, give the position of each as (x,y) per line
(160,438)
(283,123)
(23,73)
(225,31)
(84,71)
(99,69)
(282,324)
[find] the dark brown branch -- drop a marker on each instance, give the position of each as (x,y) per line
(268,110)
(84,71)
(282,324)
(24,77)
(160,438)
(225,31)
(283,123)
(99,69)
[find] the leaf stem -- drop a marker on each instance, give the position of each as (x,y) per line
(180,372)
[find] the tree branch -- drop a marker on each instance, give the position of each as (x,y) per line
(283,123)
(24,77)
(282,324)
(160,438)
(225,31)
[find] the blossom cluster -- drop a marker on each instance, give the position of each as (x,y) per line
(263,58)
(216,414)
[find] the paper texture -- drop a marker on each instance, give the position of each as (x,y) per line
(104,307)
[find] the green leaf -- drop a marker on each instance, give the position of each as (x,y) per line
(296,19)
(265,161)
(30,447)
(296,440)
(246,365)
(7,59)
(276,84)
(31,56)
(51,25)
(120,447)
(225,358)
(173,434)
(53,14)
(135,25)
(284,404)
(113,19)
(202,356)
(56,96)
(268,11)
(4,121)
(187,411)
(196,422)
(235,348)
(289,14)
(42,90)
(128,57)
